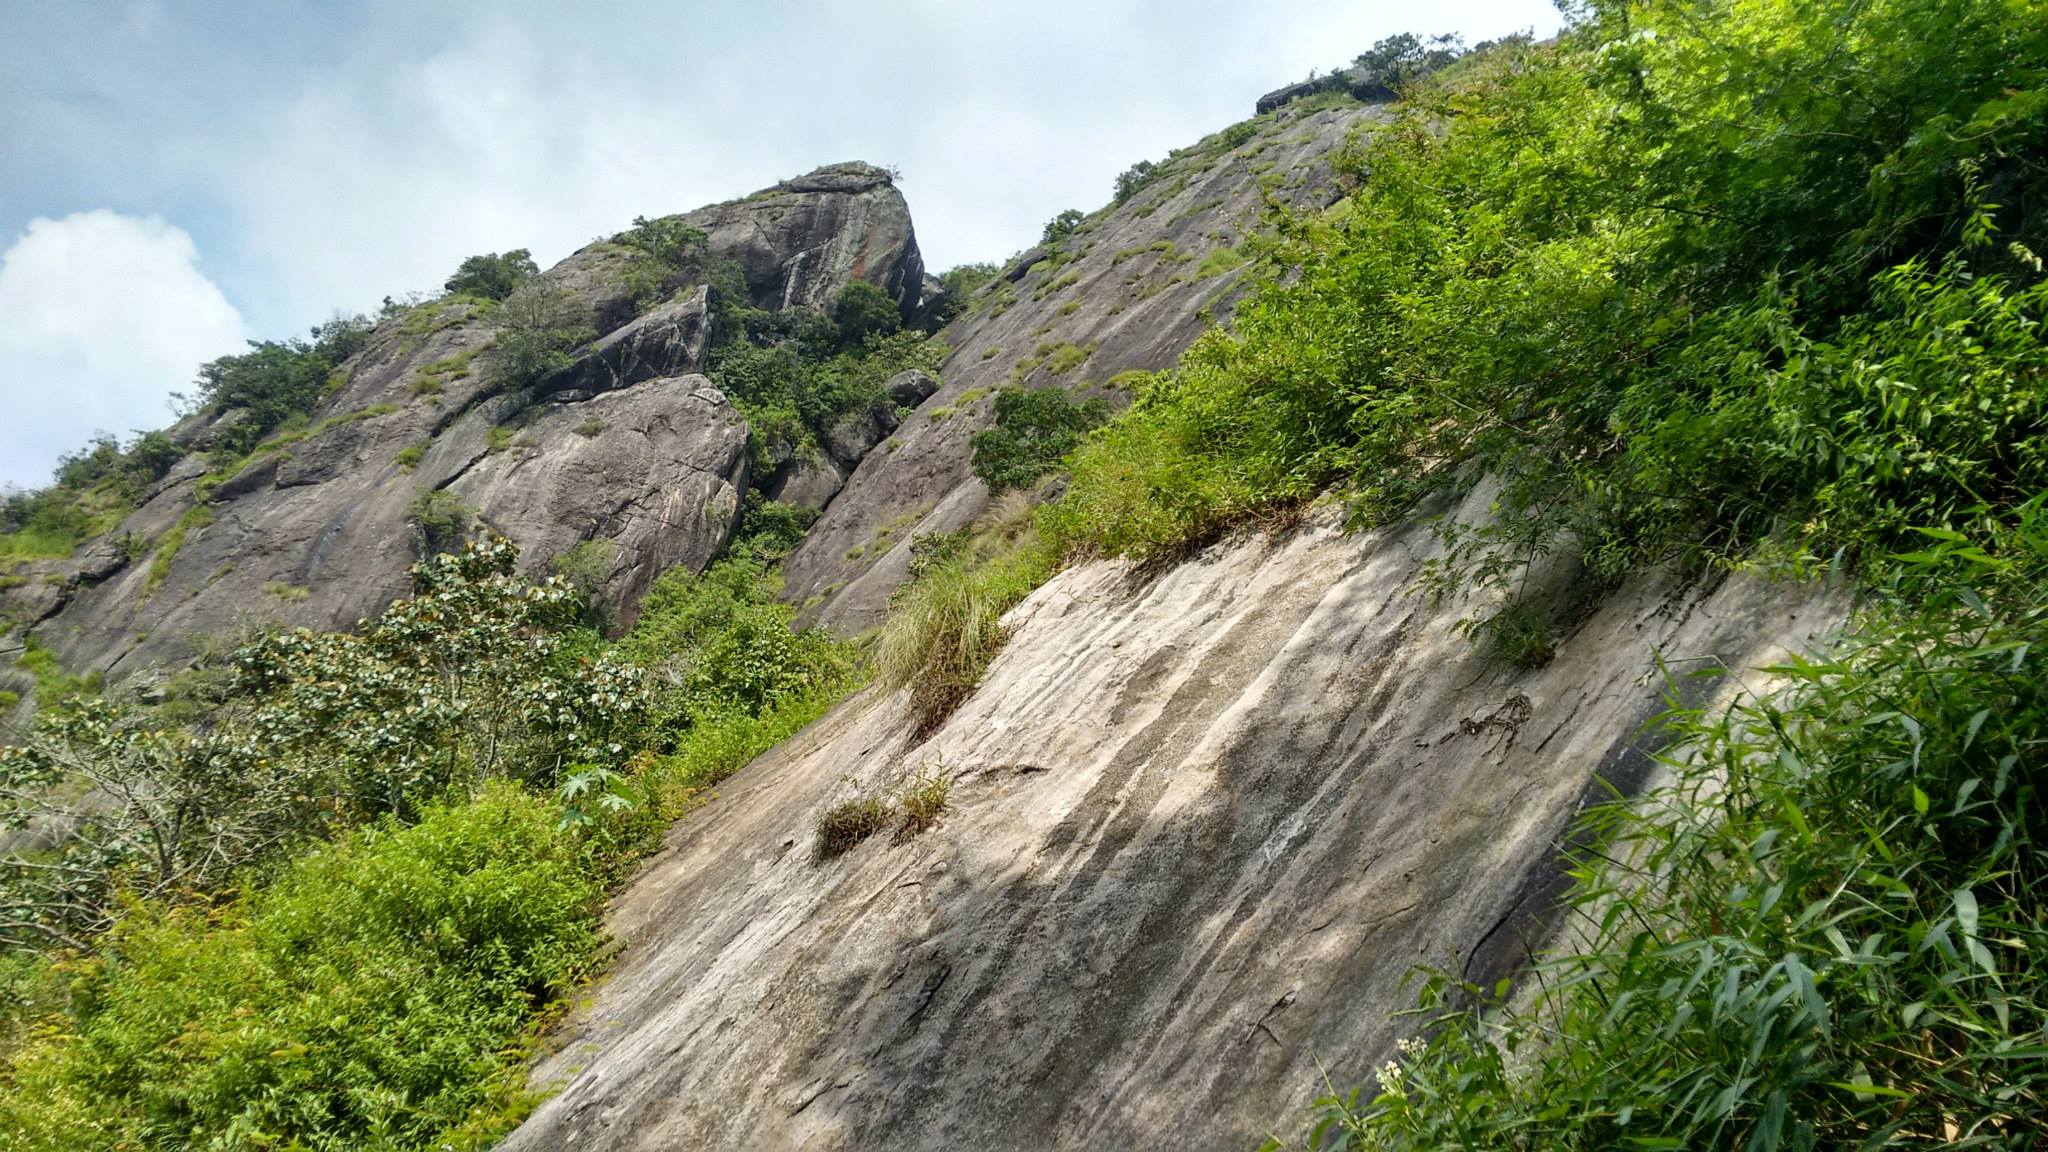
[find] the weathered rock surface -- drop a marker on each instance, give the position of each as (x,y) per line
(798,243)
(654,471)
(1200,829)
(1129,292)
(668,340)
(625,448)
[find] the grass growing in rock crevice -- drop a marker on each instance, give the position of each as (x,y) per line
(915,806)
(946,625)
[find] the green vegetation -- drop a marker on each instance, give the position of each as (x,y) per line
(920,803)
(961,282)
(94,489)
(794,374)
(539,325)
(173,540)
(1664,354)
(863,312)
(435,805)
(275,381)
(493,275)
(53,684)
(373,995)
(1062,226)
(1822,934)
(1220,261)
(1136,178)
(667,254)
(846,824)
(443,520)
(409,457)
(946,625)
(1035,428)
(915,807)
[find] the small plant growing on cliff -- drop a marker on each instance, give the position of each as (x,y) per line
(1062,226)
(443,521)
(846,824)
(919,804)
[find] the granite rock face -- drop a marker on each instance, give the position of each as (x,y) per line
(1128,292)
(625,448)
(1201,825)
(653,473)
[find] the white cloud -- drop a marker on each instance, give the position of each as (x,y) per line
(508,125)
(102,316)
(379,178)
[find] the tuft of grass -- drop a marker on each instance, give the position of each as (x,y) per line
(946,626)
(173,540)
(409,458)
(919,804)
(590,428)
(1067,357)
(1220,261)
(845,825)
(288,592)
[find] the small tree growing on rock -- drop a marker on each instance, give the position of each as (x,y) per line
(493,275)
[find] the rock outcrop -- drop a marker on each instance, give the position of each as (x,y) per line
(1129,291)
(1201,826)
(626,448)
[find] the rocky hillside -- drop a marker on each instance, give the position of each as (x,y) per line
(1201,825)
(625,448)
(1127,291)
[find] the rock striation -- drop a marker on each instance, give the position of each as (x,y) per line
(1201,826)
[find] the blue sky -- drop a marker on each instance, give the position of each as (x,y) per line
(176,177)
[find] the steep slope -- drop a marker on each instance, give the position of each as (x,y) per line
(1128,291)
(626,447)
(1202,824)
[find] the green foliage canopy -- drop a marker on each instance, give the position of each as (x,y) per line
(1034,429)
(493,275)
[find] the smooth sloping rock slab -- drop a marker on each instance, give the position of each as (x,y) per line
(1201,828)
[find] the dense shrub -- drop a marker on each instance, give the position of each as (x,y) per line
(467,680)
(1134,179)
(94,487)
(1823,934)
(863,310)
(792,383)
(1678,305)
(494,275)
(373,996)
(960,282)
(190,966)
(1034,429)
(539,325)
(722,643)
